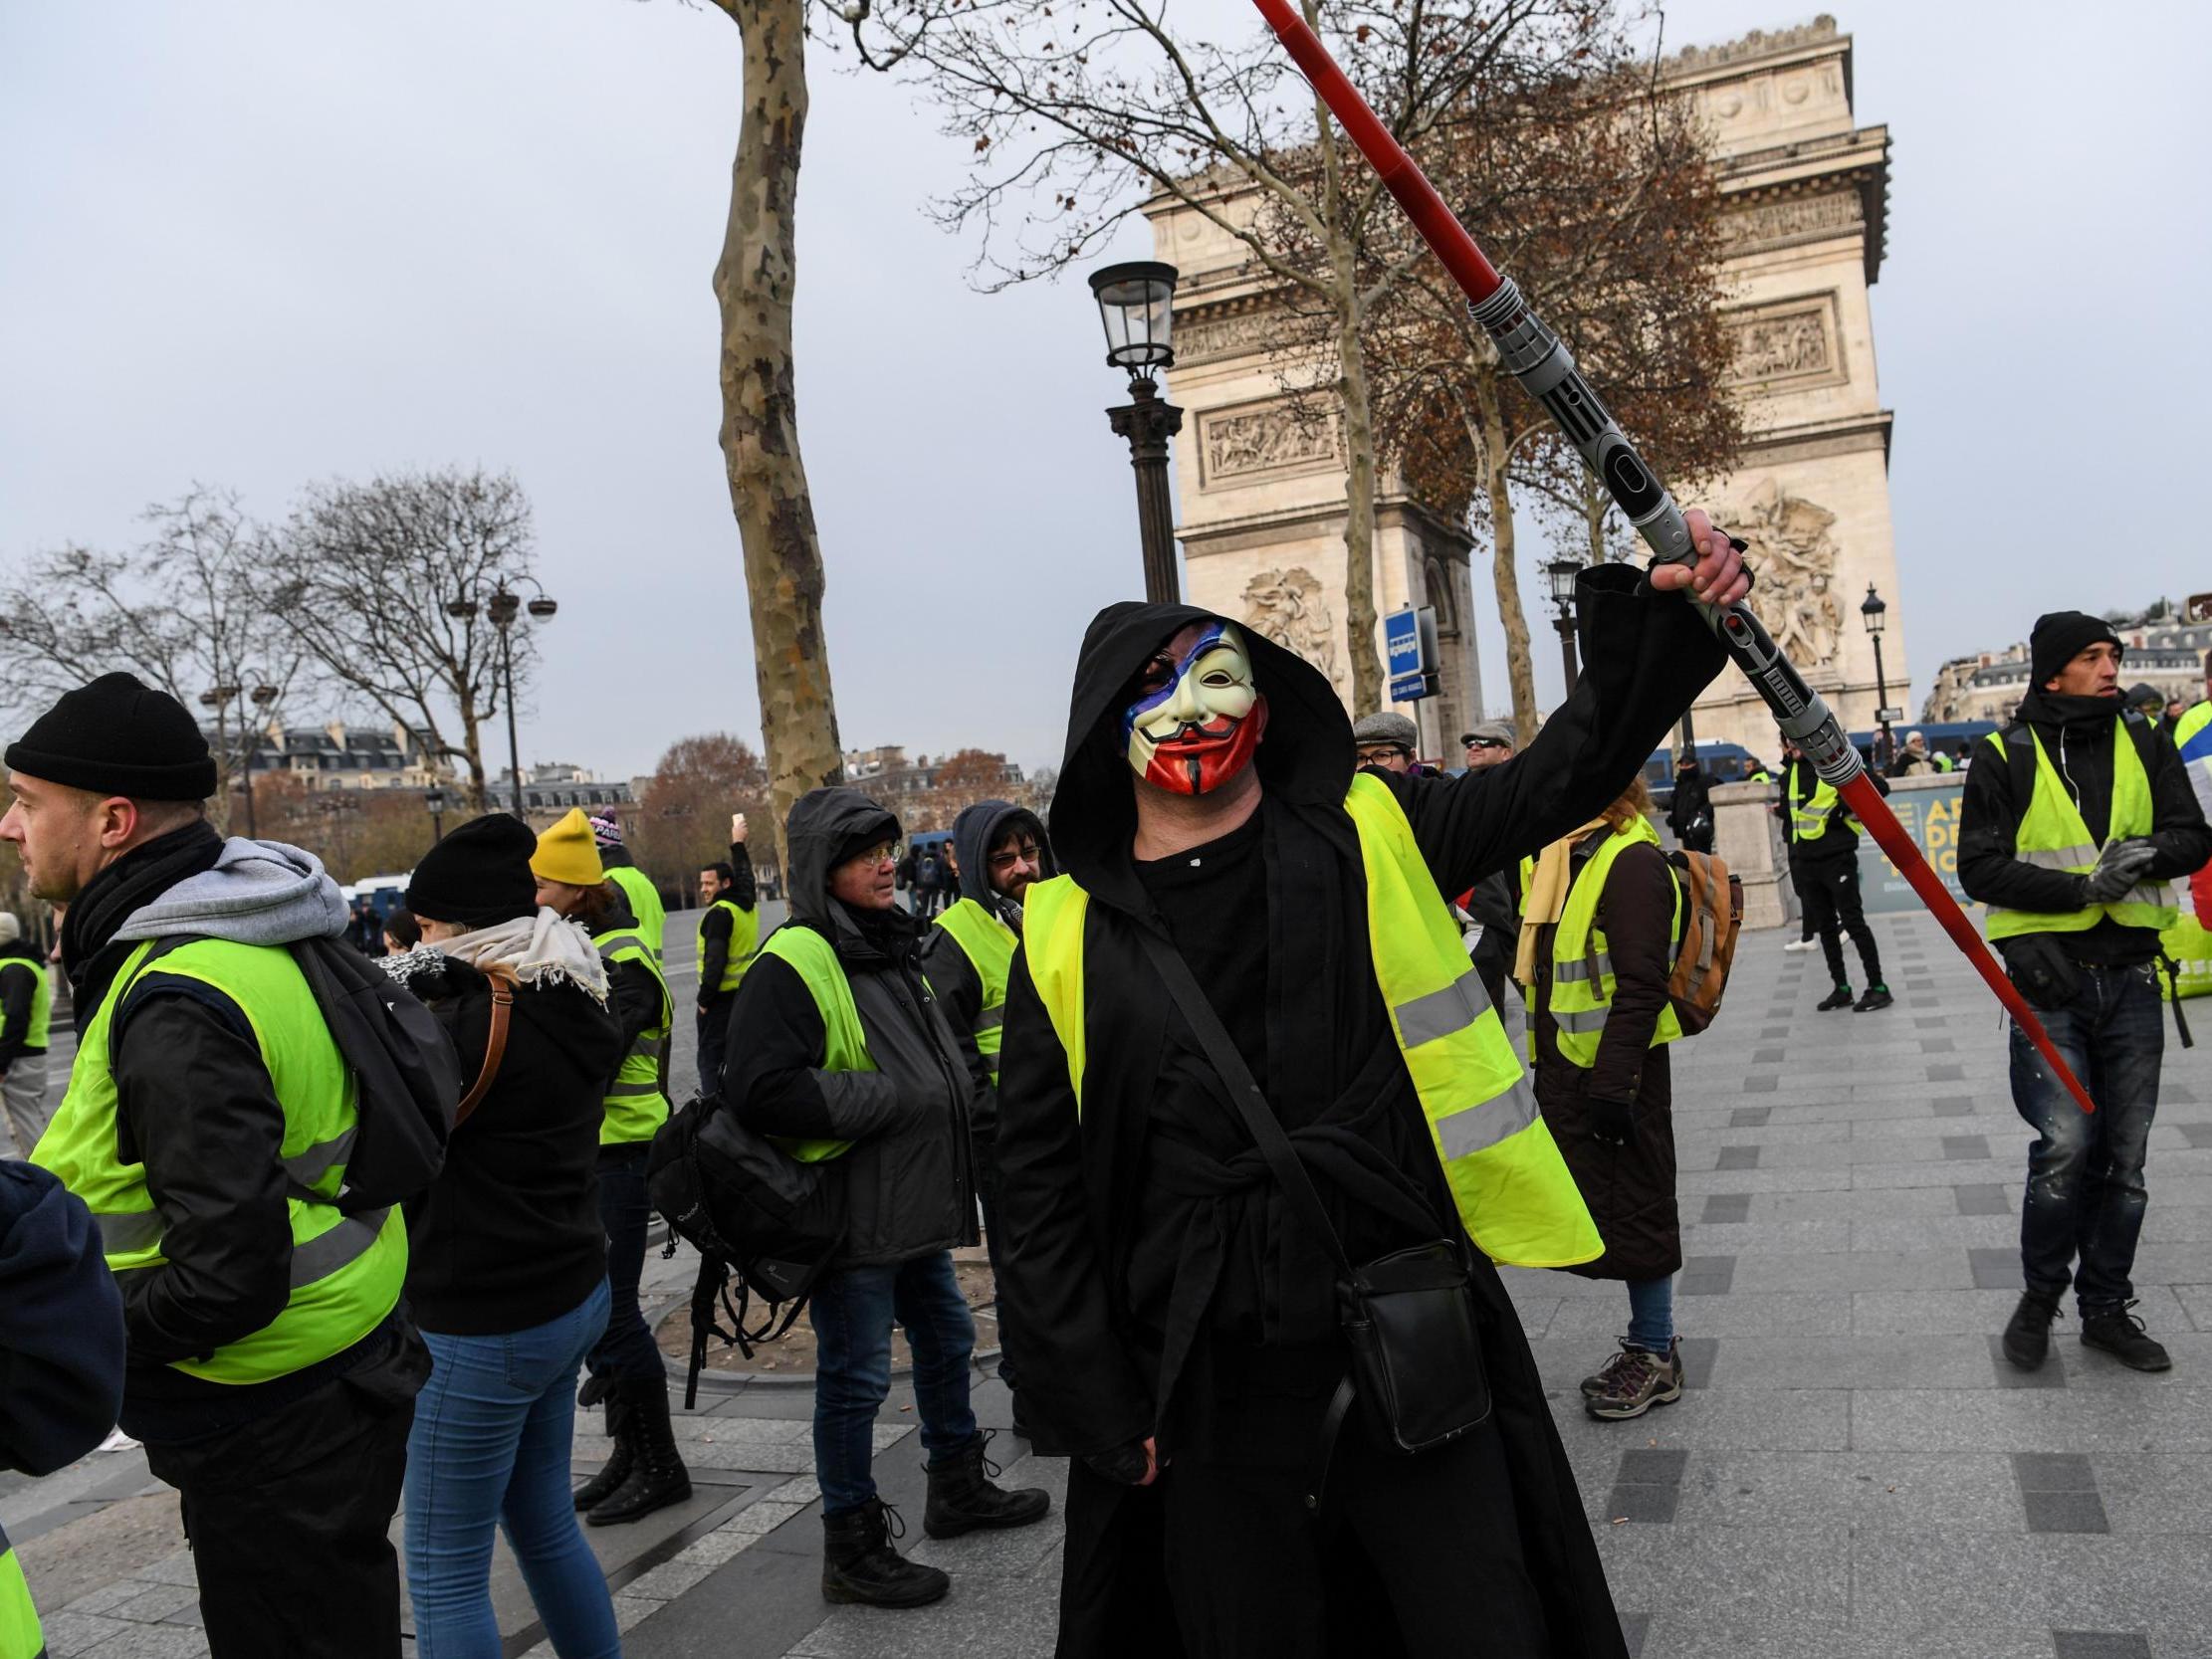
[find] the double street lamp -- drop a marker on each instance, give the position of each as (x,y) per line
(1562,572)
(1874,613)
(219,699)
(503,607)
(1136,305)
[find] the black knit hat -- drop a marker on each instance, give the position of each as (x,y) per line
(2059,638)
(478,875)
(119,736)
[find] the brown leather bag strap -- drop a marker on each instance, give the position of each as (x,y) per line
(495,1048)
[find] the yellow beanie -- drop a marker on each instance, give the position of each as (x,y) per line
(567,853)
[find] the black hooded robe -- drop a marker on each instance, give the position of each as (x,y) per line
(1152,1280)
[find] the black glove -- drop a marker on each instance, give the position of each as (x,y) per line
(2118,868)
(1611,1122)
(1124,1464)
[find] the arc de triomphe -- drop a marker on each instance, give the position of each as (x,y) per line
(1261,494)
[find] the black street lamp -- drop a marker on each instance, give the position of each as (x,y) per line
(1875,614)
(437,800)
(1562,572)
(1136,305)
(504,607)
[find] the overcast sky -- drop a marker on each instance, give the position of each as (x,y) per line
(260,242)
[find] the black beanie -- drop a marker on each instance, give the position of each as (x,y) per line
(119,736)
(2059,638)
(478,875)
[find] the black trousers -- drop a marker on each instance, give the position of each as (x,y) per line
(288,1517)
(714,1041)
(1829,888)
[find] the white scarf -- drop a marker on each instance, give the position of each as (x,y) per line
(542,949)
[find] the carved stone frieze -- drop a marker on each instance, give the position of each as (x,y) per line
(1794,216)
(1223,336)
(1789,342)
(1291,607)
(1266,438)
(1794,552)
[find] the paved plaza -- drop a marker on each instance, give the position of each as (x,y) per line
(1854,1474)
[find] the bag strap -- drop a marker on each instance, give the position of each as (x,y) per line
(495,1047)
(1244,1090)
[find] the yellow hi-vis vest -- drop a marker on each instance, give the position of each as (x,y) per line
(637,1100)
(2052,835)
(347,1271)
(844,1043)
(20,1636)
(745,944)
(645,904)
(1582,980)
(39,1023)
(1809,819)
(1506,1176)
(990,944)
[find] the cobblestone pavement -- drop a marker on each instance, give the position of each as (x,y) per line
(1853,1474)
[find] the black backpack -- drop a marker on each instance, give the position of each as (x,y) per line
(765,1226)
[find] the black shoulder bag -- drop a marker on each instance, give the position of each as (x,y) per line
(1408,1318)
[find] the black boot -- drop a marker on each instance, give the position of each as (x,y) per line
(2027,1338)
(859,1564)
(2122,1335)
(657,1474)
(962,1499)
(602,1486)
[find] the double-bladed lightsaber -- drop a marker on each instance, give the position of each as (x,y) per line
(1546,370)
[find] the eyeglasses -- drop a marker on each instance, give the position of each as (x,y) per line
(1489,743)
(1383,752)
(1026,852)
(888,853)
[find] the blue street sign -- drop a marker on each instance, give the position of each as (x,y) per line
(1401,645)
(1412,688)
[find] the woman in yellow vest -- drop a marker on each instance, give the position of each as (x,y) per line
(1596,945)
(1175,1321)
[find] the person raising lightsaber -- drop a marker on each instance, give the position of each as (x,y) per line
(1546,370)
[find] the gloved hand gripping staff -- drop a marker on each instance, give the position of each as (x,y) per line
(1535,357)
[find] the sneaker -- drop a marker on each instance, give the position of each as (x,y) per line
(1878,996)
(1840,998)
(2121,1333)
(1647,1380)
(1606,1377)
(1802,945)
(2027,1339)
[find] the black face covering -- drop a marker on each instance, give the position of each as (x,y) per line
(133,881)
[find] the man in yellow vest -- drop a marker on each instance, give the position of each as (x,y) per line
(1175,1318)
(26,1014)
(60,1354)
(213,1127)
(728,940)
(2074,823)
(1824,868)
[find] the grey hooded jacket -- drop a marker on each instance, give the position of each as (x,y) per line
(911,1183)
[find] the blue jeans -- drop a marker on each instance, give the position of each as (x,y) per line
(1652,1315)
(2086,1194)
(627,1351)
(852,1312)
(491,1443)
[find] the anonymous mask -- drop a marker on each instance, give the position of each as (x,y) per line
(1197,716)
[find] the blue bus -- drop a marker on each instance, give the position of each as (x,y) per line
(1723,762)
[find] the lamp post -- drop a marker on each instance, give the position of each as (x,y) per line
(437,800)
(1875,614)
(1136,305)
(1562,572)
(219,699)
(503,607)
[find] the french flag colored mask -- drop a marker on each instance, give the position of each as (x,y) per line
(1197,716)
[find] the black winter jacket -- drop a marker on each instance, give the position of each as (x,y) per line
(2077,734)
(959,987)
(19,967)
(509,1237)
(60,1326)
(714,926)
(910,1177)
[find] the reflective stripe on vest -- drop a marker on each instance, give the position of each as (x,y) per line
(845,1044)
(2052,835)
(1582,966)
(988,944)
(347,1271)
(645,904)
(1809,814)
(38,1024)
(1509,1183)
(745,944)
(20,1637)
(637,1100)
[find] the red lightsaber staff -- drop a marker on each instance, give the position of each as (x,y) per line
(1546,370)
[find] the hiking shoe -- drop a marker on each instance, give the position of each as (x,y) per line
(1878,996)
(963,1496)
(1840,998)
(2122,1335)
(1607,1377)
(1647,1380)
(1802,945)
(860,1564)
(2027,1339)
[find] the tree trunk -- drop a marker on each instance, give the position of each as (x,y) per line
(755,281)
(1359,504)
(1520,668)
(472,754)
(1596,504)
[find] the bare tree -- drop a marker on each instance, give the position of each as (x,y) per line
(1085,109)
(367,577)
(184,612)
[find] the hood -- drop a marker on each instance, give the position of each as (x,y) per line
(257,893)
(1306,755)
(976,831)
(822,826)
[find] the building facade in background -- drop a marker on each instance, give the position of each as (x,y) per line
(1262,493)
(2164,650)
